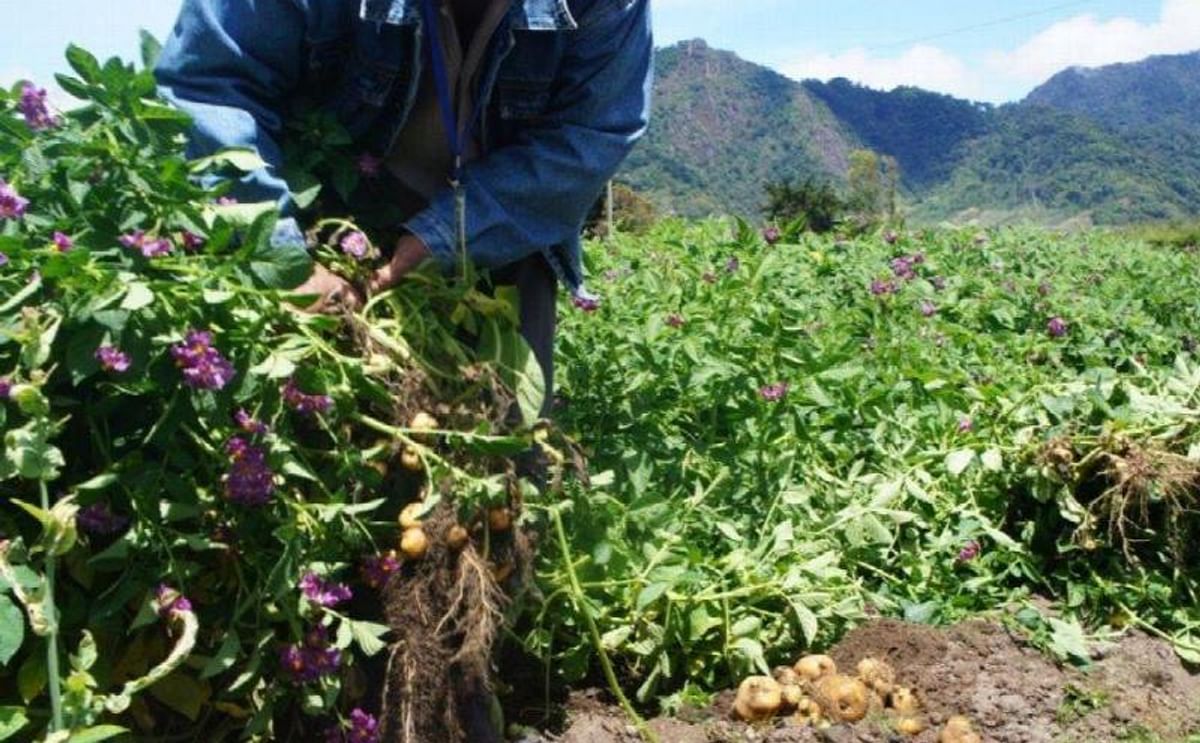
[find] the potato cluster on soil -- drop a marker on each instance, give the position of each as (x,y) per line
(813,693)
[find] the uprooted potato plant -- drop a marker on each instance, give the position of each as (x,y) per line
(201,481)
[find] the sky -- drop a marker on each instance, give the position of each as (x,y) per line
(988,50)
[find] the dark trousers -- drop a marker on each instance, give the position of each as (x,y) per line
(537,287)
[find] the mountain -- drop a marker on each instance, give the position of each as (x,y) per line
(723,127)
(1107,145)
(922,130)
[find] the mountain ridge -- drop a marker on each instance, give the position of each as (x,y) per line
(1111,144)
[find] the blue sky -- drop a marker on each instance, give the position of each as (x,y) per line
(993,50)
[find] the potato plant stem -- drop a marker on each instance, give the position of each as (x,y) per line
(56,715)
(594,632)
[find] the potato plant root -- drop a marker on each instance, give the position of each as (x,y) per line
(445,611)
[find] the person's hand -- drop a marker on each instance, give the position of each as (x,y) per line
(332,291)
(410,253)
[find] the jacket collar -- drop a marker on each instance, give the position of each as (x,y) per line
(525,15)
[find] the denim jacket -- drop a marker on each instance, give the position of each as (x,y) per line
(564,94)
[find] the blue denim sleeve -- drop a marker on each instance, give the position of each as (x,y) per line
(230,64)
(536,192)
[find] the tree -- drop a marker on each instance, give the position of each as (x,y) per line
(816,203)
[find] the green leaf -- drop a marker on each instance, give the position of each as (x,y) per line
(12,629)
(85,657)
(1068,640)
(182,693)
(99,482)
(97,733)
(12,721)
(957,462)
(993,460)
(752,651)
(226,656)
(279,266)
(31,454)
(518,367)
(84,64)
(369,636)
(650,594)
(137,296)
(242,159)
(151,49)
(807,620)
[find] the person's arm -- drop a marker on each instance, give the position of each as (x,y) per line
(536,192)
(230,64)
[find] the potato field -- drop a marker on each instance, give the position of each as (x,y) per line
(933,484)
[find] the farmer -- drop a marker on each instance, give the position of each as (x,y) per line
(495,123)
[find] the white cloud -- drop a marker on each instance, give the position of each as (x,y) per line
(922,65)
(1087,41)
(1002,75)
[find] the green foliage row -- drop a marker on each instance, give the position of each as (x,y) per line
(795,437)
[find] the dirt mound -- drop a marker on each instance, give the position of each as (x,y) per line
(1013,693)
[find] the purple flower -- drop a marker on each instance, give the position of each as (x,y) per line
(675,320)
(99,520)
(249,481)
(303,403)
(917,258)
(191,241)
(3,260)
(249,424)
(149,248)
(774,392)
(356,245)
(938,282)
(112,359)
(203,367)
(35,110)
(369,166)
(772,235)
(227,201)
(322,592)
(890,237)
(5,387)
(376,569)
(970,551)
(587,304)
(928,309)
(310,660)
(881,288)
(965,424)
(732,265)
(903,268)
(1057,327)
(171,603)
(363,728)
(12,206)
(63,242)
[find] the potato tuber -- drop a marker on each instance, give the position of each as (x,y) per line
(758,698)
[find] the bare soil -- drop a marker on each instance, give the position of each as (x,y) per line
(1136,690)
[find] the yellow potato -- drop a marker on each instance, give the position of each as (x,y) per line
(959,730)
(423,421)
(904,702)
(910,725)
(842,698)
(758,698)
(411,460)
(408,516)
(877,675)
(456,537)
(813,667)
(414,544)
